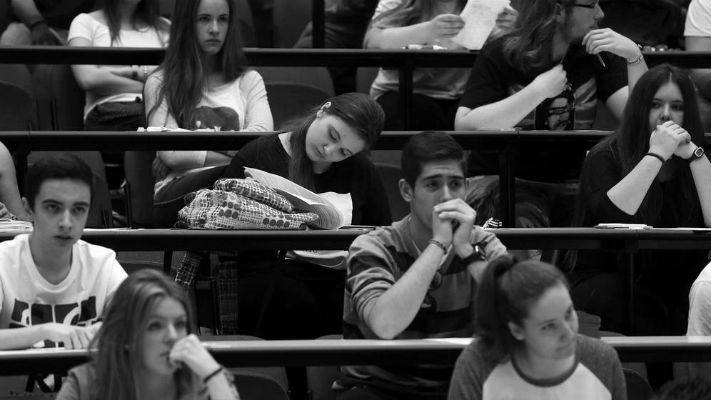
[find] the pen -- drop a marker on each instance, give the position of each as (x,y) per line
(601,61)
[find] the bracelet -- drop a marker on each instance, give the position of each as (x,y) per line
(637,60)
(38,22)
(439,244)
(656,156)
(134,72)
(212,374)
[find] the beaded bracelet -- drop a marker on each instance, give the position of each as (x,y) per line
(439,244)
(212,374)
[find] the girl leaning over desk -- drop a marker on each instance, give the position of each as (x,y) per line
(653,171)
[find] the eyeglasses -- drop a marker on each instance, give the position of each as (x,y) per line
(589,5)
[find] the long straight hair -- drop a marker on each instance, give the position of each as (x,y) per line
(528,47)
(358,110)
(631,142)
(146,13)
(119,358)
(184,70)
(411,12)
(505,294)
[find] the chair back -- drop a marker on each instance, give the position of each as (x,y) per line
(289,100)
(60,100)
(320,378)
(365,77)
(289,18)
(139,188)
(16,108)
(255,386)
(248,379)
(390,176)
(637,387)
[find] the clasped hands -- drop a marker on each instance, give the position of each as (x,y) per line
(670,139)
(452,223)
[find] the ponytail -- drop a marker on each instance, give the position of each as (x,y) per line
(505,294)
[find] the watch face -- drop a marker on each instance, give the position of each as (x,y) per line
(699,152)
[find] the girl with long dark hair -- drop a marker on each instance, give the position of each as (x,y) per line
(202,84)
(652,171)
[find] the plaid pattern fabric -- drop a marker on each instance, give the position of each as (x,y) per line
(188,268)
(217,209)
(256,191)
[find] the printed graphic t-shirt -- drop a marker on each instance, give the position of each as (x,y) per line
(28,299)
(493,79)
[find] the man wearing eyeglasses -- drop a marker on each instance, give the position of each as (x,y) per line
(554,50)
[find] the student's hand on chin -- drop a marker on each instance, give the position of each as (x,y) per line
(191,352)
(666,139)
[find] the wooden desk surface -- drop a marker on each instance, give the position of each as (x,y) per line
(514,238)
(235,353)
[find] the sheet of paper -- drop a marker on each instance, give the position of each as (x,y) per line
(479,19)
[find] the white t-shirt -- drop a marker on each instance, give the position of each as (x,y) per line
(97,33)
(698,19)
(239,105)
(28,299)
(438,83)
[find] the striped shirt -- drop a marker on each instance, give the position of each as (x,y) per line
(375,262)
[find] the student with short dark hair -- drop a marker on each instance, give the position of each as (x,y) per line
(146,349)
(54,286)
(527,344)
(416,278)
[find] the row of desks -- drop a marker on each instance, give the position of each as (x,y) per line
(405,61)
(626,240)
(241,353)
(507,142)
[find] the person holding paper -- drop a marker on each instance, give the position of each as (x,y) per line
(416,278)
(436,91)
(652,170)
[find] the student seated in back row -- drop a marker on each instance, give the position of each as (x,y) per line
(416,278)
(53,286)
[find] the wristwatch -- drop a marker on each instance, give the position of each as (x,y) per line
(477,255)
(696,154)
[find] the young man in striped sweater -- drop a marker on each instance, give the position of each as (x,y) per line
(416,278)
